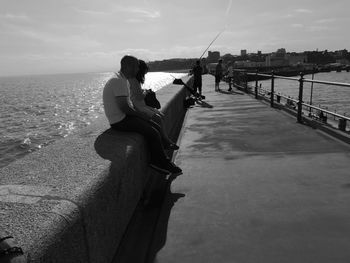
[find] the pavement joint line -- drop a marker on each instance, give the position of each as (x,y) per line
(284,152)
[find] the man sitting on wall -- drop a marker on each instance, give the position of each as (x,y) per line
(122,116)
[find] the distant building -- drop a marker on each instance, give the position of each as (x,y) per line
(243,52)
(211,67)
(295,59)
(277,59)
(248,64)
(343,61)
(274,61)
(213,56)
(281,52)
(341,53)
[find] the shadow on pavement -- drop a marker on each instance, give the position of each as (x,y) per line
(231,92)
(160,233)
(204,104)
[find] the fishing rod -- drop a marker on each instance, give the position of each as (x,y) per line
(216,37)
(212,42)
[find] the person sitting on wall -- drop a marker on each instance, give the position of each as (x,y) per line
(123,117)
(218,74)
(137,97)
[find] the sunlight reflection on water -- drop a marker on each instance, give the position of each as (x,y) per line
(37,110)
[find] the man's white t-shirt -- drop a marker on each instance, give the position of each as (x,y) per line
(115,87)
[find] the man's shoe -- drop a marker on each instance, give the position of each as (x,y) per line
(167,168)
(173,146)
(159,168)
(173,169)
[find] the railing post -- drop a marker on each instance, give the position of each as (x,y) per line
(272,88)
(300,99)
(246,81)
(342,124)
(312,84)
(278,98)
(256,84)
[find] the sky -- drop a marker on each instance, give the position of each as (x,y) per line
(66,36)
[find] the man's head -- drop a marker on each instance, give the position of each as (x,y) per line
(220,61)
(198,62)
(129,66)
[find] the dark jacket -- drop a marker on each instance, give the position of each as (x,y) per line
(197,73)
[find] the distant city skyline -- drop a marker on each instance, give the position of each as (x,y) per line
(47,37)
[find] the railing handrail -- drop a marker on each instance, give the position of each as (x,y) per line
(313,107)
(270,75)
(327,111)
(297,79)
(299,102)
(327,82)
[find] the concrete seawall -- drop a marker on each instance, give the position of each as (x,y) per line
(72,200)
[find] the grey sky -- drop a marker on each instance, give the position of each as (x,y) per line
(46,36)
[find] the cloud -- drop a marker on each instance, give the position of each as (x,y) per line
(303,11)
(10,16)
(142,12)
(134,20)
(326,20)
(297,25)
(92,12)
(130,11)
(52,40)
(288,16)
(318,28)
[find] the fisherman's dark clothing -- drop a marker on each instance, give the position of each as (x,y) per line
(197,78)
(218,73)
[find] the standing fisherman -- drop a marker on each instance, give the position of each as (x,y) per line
(218,74)
(230,76)
(197,78)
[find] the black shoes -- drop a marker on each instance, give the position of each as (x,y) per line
(172,168)
(167,168)
(173,146)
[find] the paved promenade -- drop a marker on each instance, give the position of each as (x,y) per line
(257,187)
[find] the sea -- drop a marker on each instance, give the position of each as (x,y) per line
(329,97)
(38,110)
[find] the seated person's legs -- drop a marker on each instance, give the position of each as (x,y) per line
(159,124)
(153,139)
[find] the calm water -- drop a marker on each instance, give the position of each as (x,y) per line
(37,110)
(333,98)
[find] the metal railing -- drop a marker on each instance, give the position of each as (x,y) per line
(297,104)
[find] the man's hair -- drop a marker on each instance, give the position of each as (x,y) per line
(127,60)
(198,62)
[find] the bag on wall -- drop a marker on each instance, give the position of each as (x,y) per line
(151,99)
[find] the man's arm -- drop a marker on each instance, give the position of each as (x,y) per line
(125,107)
